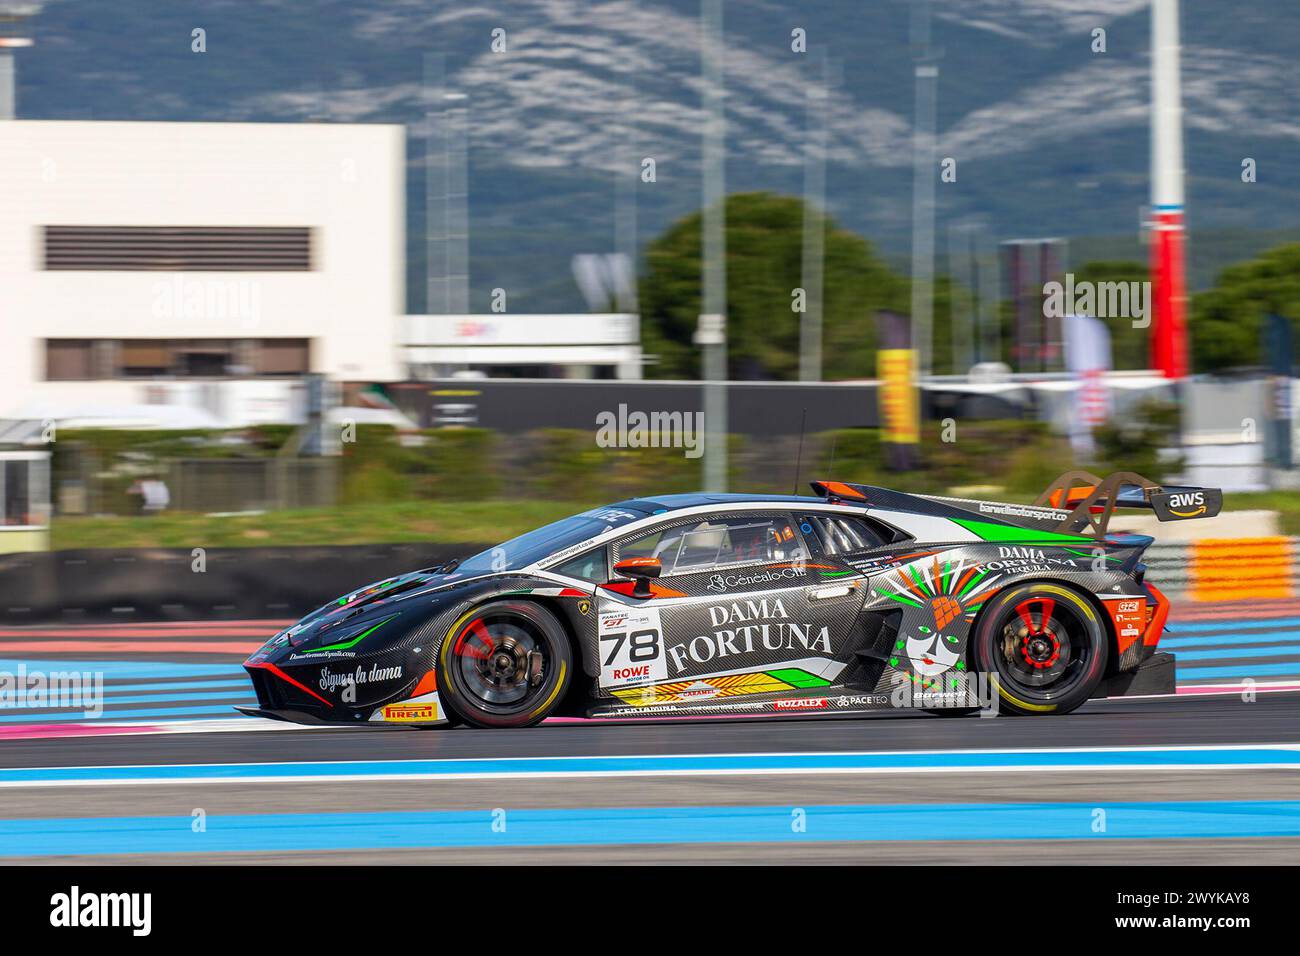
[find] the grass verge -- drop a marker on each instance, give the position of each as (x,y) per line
(486,521)
(433,521)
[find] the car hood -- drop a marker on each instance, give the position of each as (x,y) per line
(353,613)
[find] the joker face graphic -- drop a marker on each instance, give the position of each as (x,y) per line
(930,652)
(944,597)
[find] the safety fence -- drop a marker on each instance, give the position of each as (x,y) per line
(1227,569)
(252,484)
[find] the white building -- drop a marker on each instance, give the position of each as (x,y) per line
(535,346)
(145,262)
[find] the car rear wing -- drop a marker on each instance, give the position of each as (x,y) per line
(1078,502)
(1090,500)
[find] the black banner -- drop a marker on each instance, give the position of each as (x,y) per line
(253,907)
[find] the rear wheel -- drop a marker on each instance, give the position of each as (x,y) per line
(1044,646)
(505,664)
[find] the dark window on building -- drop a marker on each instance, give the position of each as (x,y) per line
(179,248)
(143,358)
(203,364)
(18,505)
(81,359)
(281,357)
(69,360)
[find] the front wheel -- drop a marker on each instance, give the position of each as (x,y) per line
(505,664)
(1044,646)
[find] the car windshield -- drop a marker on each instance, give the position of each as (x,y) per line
(528,548)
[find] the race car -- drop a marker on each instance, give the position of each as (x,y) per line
(851,600)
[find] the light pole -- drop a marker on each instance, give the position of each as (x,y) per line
(964,309)
(814,226)
(446,193)
(626,180)
(712,333)
(1169,329)
(923,176)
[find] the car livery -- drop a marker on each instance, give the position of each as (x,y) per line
(727,605)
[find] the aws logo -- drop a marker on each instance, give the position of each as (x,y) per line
(1188,504)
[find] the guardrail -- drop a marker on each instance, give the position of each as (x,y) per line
(161,584)
(150,584)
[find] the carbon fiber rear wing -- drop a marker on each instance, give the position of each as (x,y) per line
(1078,502)
(1091,500)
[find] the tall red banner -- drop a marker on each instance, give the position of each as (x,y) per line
(1169,326)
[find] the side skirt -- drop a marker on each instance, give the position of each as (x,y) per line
(1155,675)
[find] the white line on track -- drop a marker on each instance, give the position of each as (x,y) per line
(251,724)
(702,771)
(595,774)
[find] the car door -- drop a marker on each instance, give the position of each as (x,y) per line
(863,547)
(734,612)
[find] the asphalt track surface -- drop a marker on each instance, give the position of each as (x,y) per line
(1208,776)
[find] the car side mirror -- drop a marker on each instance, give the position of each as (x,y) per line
(642,571)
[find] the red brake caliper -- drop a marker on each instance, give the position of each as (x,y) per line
(1044,607)
(474,629)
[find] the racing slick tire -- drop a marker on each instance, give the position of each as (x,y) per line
(1044,646)
(504,664)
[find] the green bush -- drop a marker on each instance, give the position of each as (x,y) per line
(379,466)
(446,464)
(568,464)
(1133,443)
(460,464)
(1017,456)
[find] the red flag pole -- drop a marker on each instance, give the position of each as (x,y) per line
(1169,346)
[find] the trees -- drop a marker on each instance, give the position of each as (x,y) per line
(764,268)
(1128,344)
(1226,319)
(1224,322)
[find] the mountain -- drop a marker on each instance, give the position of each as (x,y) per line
(1050,138)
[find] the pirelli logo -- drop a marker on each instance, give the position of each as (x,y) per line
(410,713)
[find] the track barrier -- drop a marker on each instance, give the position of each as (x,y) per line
(1226,569)
(160,584)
